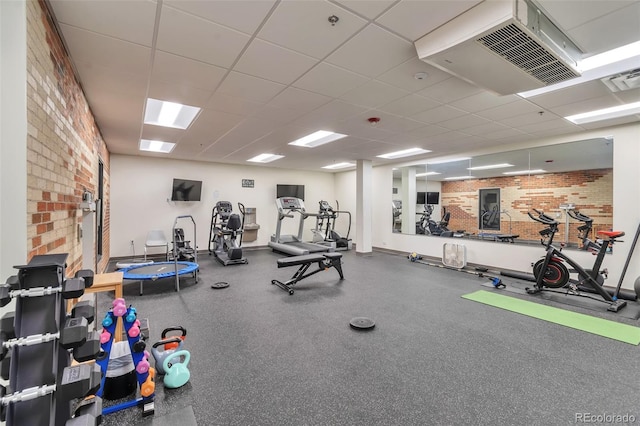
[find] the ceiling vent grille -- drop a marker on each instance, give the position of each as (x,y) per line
(625,81)
(517,47)
(506,46)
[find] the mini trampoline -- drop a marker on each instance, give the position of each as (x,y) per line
(158,270)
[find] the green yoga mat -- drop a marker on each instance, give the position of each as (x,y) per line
(601,327)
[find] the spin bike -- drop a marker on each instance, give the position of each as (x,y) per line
(584,230)
(551,272)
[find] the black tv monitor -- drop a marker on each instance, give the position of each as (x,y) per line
(186,190)
(421,197)
(296,191)
(433,198)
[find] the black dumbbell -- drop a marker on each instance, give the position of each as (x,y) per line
(83,420)
(74,333)
(73,288)
(79,381)
(89,349)
(84,309)
(14,282)
(7,324)
(5,295)
(87,275)
(90,409)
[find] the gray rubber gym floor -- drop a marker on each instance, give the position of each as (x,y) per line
(262,357)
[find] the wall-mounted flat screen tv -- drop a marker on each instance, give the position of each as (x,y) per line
(433,198)
(421,197)
(296,191)
(186,190)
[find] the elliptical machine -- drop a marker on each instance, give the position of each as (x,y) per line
(428,226)
(326,218)
(226,227)
(551,273)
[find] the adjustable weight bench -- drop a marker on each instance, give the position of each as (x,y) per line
(325,261)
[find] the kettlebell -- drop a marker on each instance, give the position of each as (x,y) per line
(177,374)
(166,331)
(161,355)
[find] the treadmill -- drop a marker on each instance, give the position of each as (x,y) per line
(292,244)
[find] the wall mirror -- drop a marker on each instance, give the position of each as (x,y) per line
(487,197)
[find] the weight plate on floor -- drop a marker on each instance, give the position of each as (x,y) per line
(362,323)
(221,284)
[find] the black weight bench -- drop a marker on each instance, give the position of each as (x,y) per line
(506,238)
(325,261)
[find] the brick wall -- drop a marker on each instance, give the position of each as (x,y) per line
(64,146)
(591,191)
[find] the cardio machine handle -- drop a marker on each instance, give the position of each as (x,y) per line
(542,218)
(579,216)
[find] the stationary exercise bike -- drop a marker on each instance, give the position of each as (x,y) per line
(551,273)
(426,225)
(226,230)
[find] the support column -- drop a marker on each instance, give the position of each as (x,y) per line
(364,192)
(409,200)
(13,136)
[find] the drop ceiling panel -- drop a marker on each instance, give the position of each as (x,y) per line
(450,90)
(367,8)
(209,126)
(277,115)
(266,60)
(409,105)
(327,116)
(547,126)
(186,72)
(413,19)
(372,52)
(628,96)
(587,105)
(130,21)
(97,80)
(329,80)
(243,134)
(245,15)
(96,50)
(463,122)
(304,27)
(528,119)
(428,131)
(483,129)
(232,104)
(403,76)
(568,16)
(160,133)
(373,94)
(483,100)
(569,95)
(509,110)
(249,87)
(388,122)
(438,114)
(612,122)
(195,38)
(301,100)
(186,95)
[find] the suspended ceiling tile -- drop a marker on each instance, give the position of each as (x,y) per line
(409,105)
(182,94)
(195,38)
(463,122)
(509,110)
(403,76)
(372,52)
(429,131)
(438,114)
(301,100)
(483,100)
(277,114)
(209,126)
(450,90)
(96,50)
(245,15)
(612,122)
(483,129)
(329,80)
(97,80)
(568,16)
(414,19)
(328,116)
(232,104)
(372,94)
(587,105)
(569,95)
(368,8)
(304,26)
(266,60)
(187,72)
(249,87)
(129,21)
(528,119)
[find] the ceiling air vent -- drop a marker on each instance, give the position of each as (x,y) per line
(505,46)
(625,81)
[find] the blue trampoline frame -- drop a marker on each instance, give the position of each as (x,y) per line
(191,267)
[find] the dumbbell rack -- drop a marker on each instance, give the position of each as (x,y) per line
(37,358)
(145,374)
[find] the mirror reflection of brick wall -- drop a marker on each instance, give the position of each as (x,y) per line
(590,190)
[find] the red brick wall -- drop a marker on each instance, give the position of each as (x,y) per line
(591,191)
(64,146)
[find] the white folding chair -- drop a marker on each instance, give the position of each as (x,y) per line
(156,238)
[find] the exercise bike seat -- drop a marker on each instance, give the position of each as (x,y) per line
(611,235)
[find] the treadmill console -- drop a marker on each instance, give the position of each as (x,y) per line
(290,203)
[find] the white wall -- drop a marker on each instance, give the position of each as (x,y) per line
(626,215)
(140,187)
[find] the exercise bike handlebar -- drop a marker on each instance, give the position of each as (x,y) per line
(542,218)
(579,216)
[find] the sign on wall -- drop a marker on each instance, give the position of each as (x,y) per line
(247,183)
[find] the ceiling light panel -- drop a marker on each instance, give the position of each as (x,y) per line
(605,114)
(338,166)
(265,158)
(403,153)
(156,146)
(318,138)
(169,114)
(491,166)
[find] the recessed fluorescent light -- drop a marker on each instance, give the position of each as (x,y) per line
(606,113)
(338,166)
(265,158)
(459,177)
(403,153)
(156,146)
(525,172)
(609,63)
(609,57)
(427,174)
(453,160)
(491,166)
(317,138)
(169,114)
